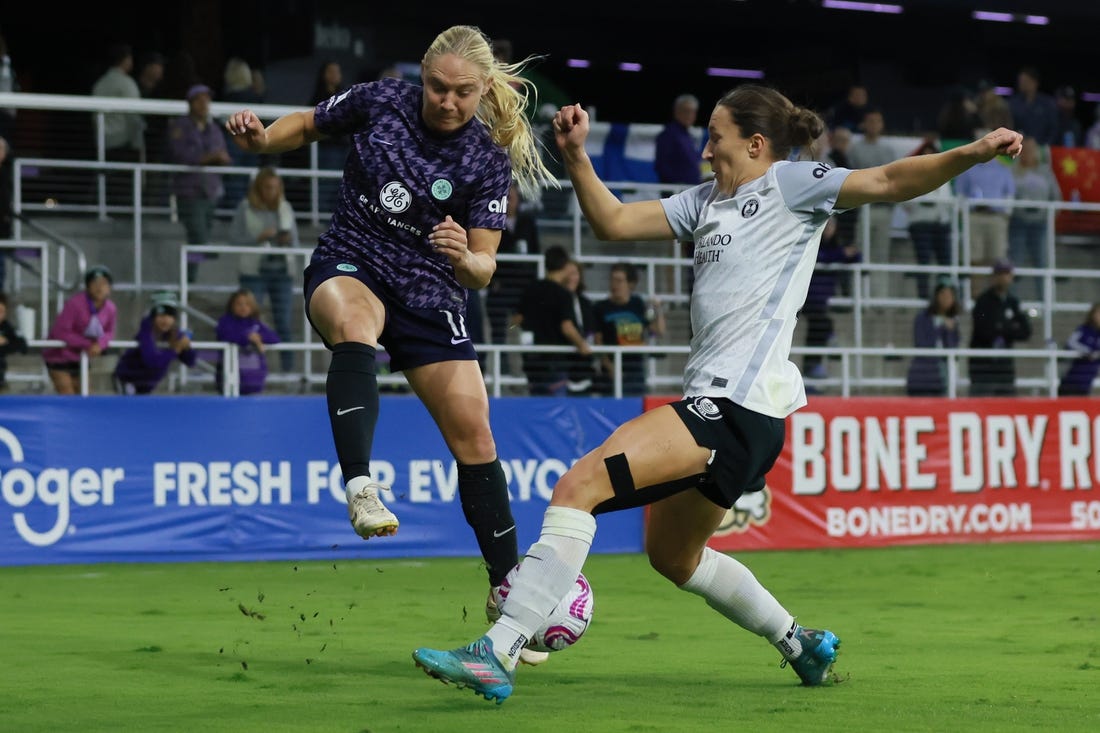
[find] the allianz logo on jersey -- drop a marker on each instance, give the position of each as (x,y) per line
(499,206)
(58,488)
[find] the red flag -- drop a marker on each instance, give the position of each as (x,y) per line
(1078,173)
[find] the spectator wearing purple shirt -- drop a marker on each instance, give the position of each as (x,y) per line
(417,223)
(86,324)
(1082,372)
(678,154)
(195,139)
(241,325)
(160,344)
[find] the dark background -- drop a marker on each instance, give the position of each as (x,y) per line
(908,61)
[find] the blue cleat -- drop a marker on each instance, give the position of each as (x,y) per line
(819,650)
(473,666)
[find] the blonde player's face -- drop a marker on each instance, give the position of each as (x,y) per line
(452,92)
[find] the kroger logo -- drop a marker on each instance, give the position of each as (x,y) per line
(59,488)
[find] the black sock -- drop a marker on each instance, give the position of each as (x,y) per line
(483,490)
(352,390)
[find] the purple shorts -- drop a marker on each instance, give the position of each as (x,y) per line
(412,336)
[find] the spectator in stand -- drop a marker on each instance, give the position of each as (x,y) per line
(150,75)
(624,318)
(265,218)
(840,142)
(7,215)
(850,111)
(160,343)
(241,325)
(1034,112)
(86,325)
(519,236)
(8,83)
(678,155)
(195,139)
(988,222)
(823,286)
(1027,227)
(332,151)
(868,152)
(993,110)
(930,224)
(999,322)
(546,311)
(1092,135)
(123,132)
(238,87)
(935,327)
(11,341)
(1085,340)
(582,368)
(1069,132)
(958,118)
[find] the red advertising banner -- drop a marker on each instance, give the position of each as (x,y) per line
(875,472)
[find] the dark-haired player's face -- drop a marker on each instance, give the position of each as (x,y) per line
(452,92)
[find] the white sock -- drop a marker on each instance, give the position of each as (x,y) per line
(547,572)
(732,590)
(356,484)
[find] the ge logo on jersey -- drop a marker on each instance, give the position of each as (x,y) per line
(703,408)
(394,197)
(750,208)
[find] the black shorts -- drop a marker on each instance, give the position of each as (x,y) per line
(411,336)
(744,445)
(71,368)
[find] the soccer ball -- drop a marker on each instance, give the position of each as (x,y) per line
(567,623)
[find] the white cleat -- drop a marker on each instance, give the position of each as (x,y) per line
(369,516)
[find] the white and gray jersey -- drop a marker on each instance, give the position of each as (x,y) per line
(754,254)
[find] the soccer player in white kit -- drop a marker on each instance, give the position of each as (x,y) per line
(756,228)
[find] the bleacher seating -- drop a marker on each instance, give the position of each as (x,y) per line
(61,203)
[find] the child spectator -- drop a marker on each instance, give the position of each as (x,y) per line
(1085,340)
(86,324)
(937,326)
(160,343)
(11,341)
(241,325)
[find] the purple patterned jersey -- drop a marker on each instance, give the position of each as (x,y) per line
(399,181)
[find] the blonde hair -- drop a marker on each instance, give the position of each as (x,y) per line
(504,104)
(255,190)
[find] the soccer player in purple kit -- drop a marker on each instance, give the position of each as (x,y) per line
(422,203)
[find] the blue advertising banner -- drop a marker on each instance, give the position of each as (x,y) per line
(155,479)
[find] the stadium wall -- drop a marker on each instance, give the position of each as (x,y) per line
(168,478)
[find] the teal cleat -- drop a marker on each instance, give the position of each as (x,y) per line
(819,650)
(473,666)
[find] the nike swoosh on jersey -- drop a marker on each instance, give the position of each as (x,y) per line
(346,410)
(458,341)
(501,534)
(373,137)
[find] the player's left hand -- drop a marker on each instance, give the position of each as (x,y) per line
(449,238)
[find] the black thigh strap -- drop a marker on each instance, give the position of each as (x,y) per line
(627,496)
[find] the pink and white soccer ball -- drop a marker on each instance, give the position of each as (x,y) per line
(567,623)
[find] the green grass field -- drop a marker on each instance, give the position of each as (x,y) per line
(952,638)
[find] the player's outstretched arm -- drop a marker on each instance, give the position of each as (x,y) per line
(609,217)
(289,132)
(916,175)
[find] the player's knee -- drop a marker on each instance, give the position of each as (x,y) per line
(581,487)
(670,562)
